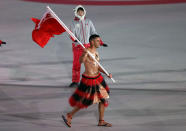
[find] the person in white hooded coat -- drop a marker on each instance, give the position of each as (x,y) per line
(82,28)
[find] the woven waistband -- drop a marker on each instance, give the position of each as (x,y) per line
(91,77)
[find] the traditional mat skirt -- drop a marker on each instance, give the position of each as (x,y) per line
(90,91)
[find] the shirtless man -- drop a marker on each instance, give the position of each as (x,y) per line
(93,88)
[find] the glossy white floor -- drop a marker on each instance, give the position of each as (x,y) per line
(146,55)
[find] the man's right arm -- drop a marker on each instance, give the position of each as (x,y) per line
(83,56)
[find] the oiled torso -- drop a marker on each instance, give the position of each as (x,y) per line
(91,67)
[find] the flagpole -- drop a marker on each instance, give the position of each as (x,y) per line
(74,37)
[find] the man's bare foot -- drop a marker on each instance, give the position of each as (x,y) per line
(103,123)
(67,119)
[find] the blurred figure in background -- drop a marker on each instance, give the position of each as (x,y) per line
(2,42)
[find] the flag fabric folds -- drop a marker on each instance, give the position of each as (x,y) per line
(46,28)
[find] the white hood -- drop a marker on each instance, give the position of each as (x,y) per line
(75,12)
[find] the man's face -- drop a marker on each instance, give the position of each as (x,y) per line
(80,13)
(96,42)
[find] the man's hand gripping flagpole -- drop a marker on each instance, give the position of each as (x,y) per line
(73,36)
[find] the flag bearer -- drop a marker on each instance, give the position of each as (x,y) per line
(93,88)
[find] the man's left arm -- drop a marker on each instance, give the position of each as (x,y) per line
(101,70)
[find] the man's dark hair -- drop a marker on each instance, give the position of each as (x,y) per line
(80,8)
(92,37)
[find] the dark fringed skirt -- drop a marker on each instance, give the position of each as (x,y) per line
(90,91)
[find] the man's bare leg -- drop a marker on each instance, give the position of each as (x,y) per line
(101,109)
(69,116)
(76,109)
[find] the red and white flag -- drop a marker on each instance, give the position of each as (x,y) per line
(46,28)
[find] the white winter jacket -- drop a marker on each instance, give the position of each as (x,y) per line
(82,28)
